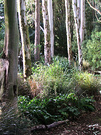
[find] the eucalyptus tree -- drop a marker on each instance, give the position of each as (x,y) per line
(37,31)
(47,44)
(68,29)
(82,20)
(76,4)
(25,41)
(10,56)
(50,14)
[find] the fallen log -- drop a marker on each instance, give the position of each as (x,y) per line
(44,127)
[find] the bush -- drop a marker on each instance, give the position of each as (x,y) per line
(86,65)
(14,124)
(86,83)
(23,87)
(47,110)
(92,51)
(53,78)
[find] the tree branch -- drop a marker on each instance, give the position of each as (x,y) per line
(94,8)
(97,17)
(43,127)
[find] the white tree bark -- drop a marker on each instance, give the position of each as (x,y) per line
(50,13)
(82,27)
(47,45)
(69,45)
(37,31)
(24,38)
(76,10)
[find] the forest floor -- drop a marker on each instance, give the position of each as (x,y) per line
(87,124)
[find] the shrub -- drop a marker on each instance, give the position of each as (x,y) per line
(86,65)
(54,78)
(86,83)
(92,50)
(47,110)
(23,87)
(14,124)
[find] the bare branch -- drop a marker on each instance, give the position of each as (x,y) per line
(97,18)
(94,8)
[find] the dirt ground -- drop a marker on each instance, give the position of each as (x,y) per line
(87,124)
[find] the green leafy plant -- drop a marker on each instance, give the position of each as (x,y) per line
(14,123)
(48,110)
(52,78)
(92,50)
(86,83)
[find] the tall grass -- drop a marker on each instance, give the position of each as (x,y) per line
(53,78)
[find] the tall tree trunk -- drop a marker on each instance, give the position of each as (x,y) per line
(11,55)
(50,13)
(82,27)
(76,10)
(37,31)
(24,38)
(68,25)
(47,45)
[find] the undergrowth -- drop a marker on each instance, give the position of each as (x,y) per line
(47,110)
(54,78)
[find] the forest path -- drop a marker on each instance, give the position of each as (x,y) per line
(87,124)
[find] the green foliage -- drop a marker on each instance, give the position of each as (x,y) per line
(53,78)
(63,62)
(59,27)
(1,47)
(86,83)
(2,38)
(23,86)
(14,124)
(48,110)
(92,51)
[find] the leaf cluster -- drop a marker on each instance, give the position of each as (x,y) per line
(47,110)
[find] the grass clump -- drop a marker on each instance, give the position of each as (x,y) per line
(86,83)
(53,78)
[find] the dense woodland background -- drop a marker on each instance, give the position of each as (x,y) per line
(50,62)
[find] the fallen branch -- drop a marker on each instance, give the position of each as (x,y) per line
(43,127)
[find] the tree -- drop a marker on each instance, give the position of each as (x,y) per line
(50,13)
(60,40)
(25,41)
(37,31)
(76,11)
(47,45)
(68,30)
(82,26)
(10,55)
